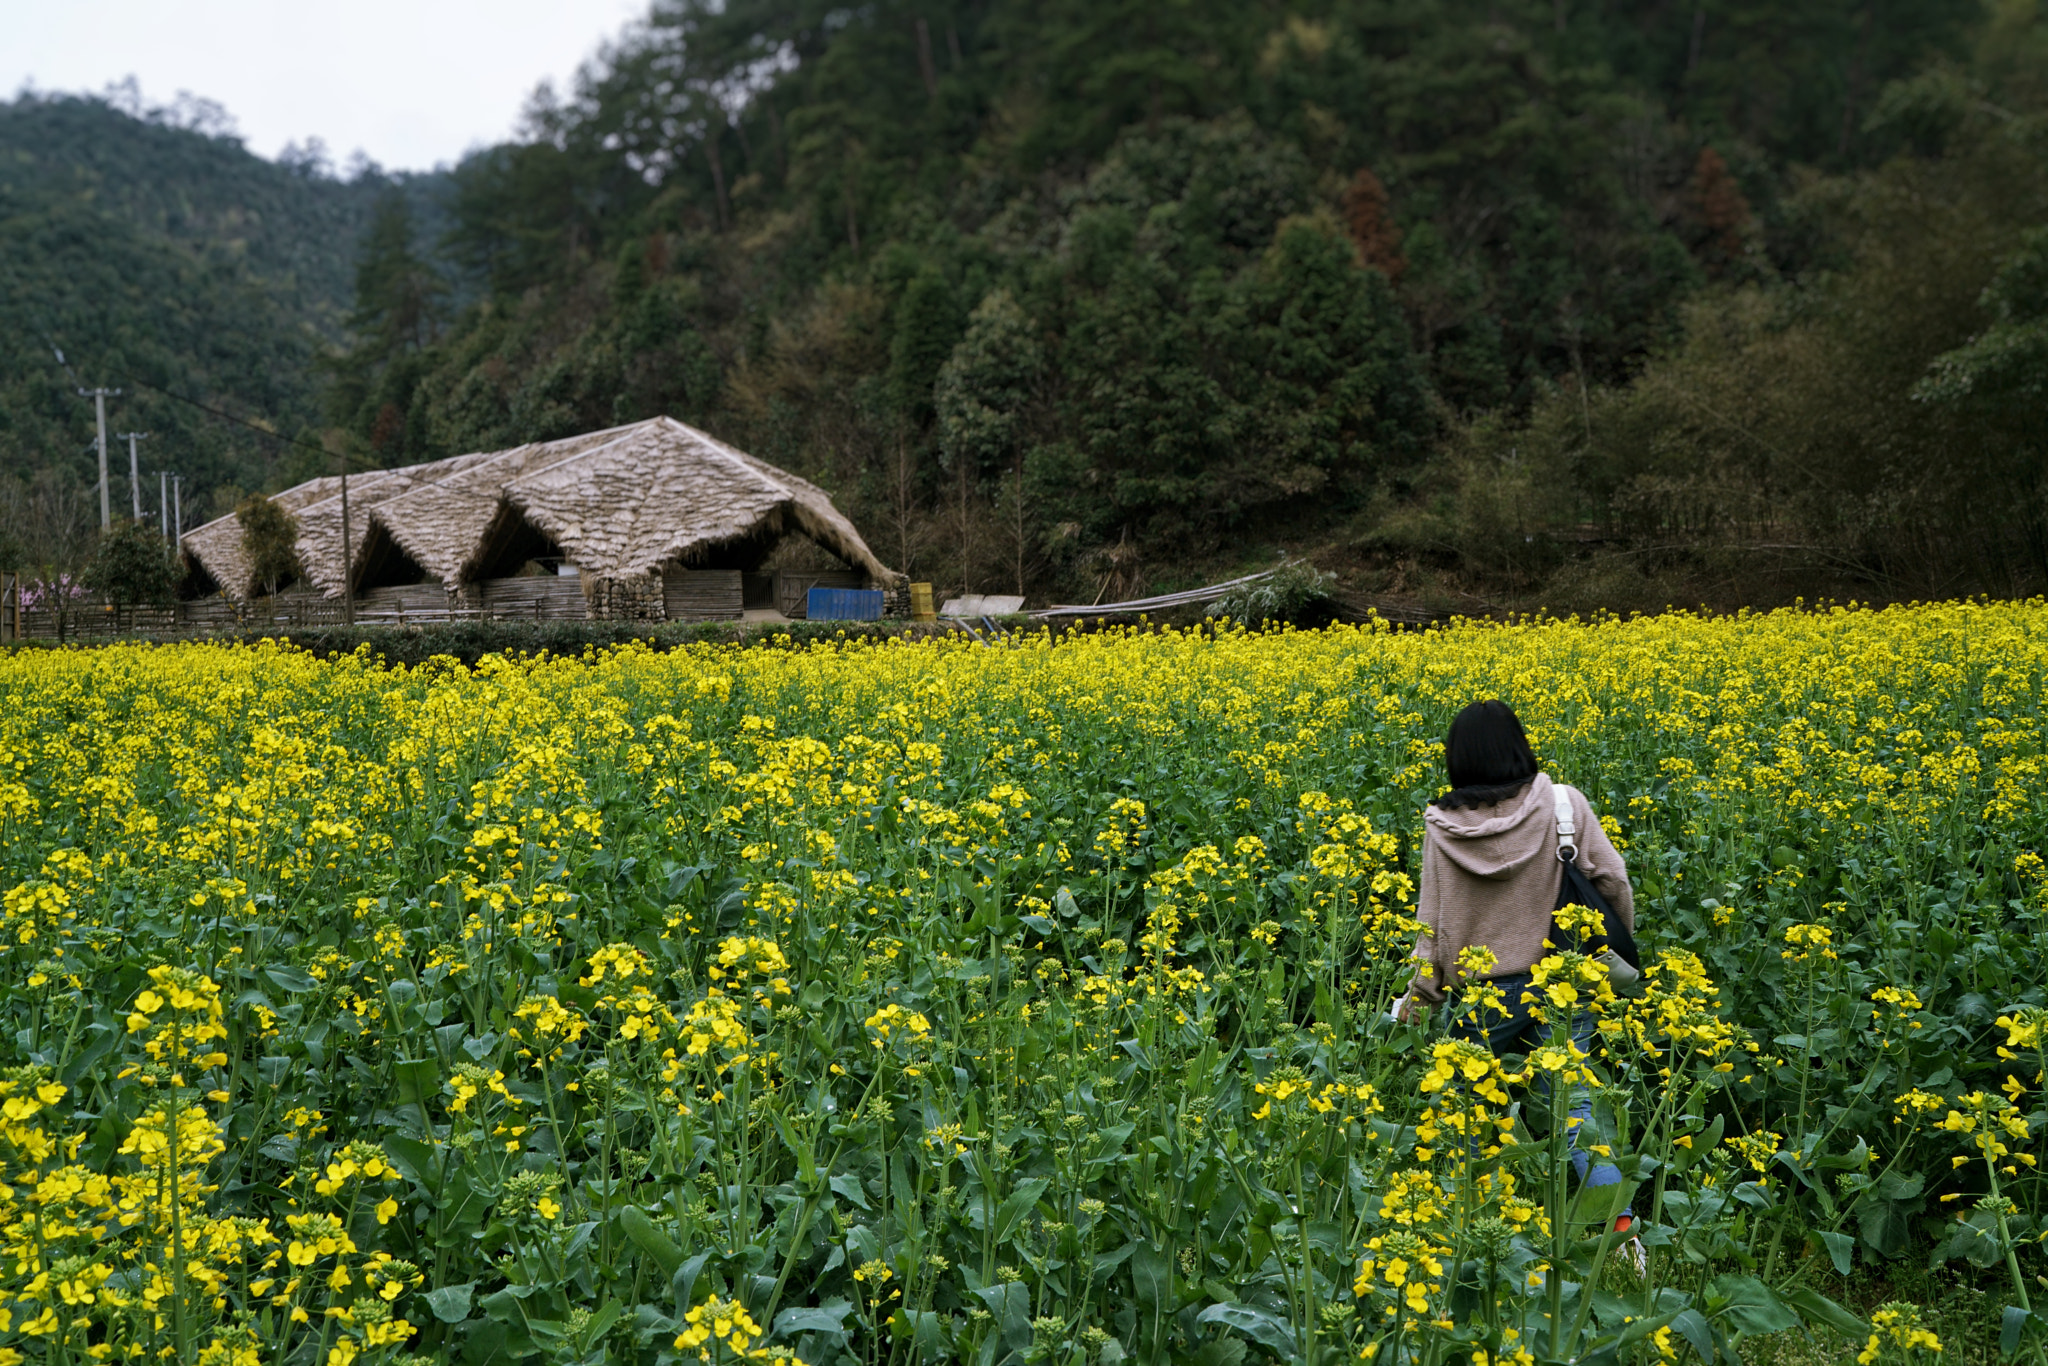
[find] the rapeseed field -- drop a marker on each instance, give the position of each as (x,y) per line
(880,1005)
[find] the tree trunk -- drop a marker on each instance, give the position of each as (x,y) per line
(924,60)
(903,501)
(775,133)
(711,138)
(1849,87)
(966,534)
(1017,524)
(739,126)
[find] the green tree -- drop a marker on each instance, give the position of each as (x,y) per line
(398,295)
(928,324)
(269,542)
(985,386)
(397,316)
(1997,383)
(982,396)
(131,565)
(1334,394)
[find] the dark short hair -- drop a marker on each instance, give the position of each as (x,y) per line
(1486,756)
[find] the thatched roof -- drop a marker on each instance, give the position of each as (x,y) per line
(619,503)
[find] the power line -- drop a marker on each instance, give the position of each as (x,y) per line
(176,397)
(229,417)
(347,547)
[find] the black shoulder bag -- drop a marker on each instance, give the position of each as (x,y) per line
(1615,946)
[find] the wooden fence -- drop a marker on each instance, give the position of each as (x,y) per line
(688,595)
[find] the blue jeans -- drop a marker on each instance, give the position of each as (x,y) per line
(1518,1031)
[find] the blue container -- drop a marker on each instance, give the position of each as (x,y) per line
(843,604)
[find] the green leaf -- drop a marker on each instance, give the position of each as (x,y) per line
(806,1161)
(1598,1205)
(1010,1302)
(412,1158)
(1841,1248)
(1149,1272)
(652,1240)
(1694,1328)
(848,1186)
(451,1302)
(1106,1262)
(1748,1305)
(419,1080)
(602,1320)
(1815,1307)
(1854,1160)
(929,1330)
(1703,1143)
(463,1207)
(2012,1326)
(829,1317)
(1255,1324)
(504,1305)
(291,978)
(1012,1211)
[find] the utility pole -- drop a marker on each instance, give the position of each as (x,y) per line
(178,513)
(134,470)
(99,398)
(348,568)
(163,504)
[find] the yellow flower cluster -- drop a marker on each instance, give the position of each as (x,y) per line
(113,1264)
(1897,1324)
(892,1021)
(719,1330)
(1406,1268)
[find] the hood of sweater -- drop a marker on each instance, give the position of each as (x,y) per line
(1496,842)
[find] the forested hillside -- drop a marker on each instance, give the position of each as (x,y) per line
(153,249)
(1524,302)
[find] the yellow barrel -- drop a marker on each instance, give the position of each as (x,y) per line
(921,603)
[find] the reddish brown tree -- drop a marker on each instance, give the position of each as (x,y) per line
(1371,226)
(1718,203)
(389,427)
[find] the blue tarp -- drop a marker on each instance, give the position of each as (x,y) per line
(843,604)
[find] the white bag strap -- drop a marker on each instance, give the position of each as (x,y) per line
(1567,829)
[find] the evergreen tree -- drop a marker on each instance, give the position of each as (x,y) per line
(270,538)
(396,318)
(1997,384)
(985,386)
(982,396)
(927,326)
(131,565)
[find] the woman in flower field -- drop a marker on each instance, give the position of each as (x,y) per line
(1489,894)
(1017,1005)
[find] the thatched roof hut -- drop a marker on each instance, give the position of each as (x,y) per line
(614,505)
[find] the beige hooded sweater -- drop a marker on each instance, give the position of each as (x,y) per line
(1490,876)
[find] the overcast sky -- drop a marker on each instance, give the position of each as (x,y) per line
(413,83)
